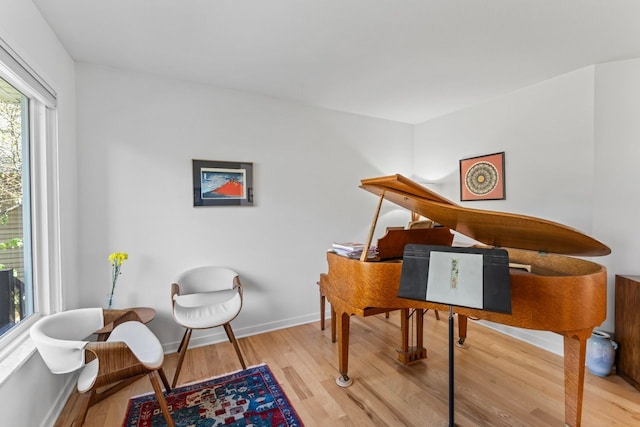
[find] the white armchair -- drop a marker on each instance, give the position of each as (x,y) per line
(130,351)
(202,298)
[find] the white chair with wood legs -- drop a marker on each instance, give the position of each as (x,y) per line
(131,351)
(203,298)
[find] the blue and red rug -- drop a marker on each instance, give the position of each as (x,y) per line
(251,397)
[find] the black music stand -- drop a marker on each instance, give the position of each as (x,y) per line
(463,277)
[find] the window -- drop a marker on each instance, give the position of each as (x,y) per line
(29,211)
(16,290)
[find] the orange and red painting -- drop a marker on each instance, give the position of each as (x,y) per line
(218,183)
(223,183)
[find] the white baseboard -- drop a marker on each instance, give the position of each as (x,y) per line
(61,400)
(545,340)
(218,335)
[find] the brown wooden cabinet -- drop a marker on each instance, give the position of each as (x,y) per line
(627,333)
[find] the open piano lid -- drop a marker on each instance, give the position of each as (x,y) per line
(492,228)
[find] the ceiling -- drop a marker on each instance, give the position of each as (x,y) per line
(402,60)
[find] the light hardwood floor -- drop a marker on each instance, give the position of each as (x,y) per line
(499,381)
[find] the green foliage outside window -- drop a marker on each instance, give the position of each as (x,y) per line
(11,193)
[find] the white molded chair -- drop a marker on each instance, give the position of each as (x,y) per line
(202,298)
(130,351)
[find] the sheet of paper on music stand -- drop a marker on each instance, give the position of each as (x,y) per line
(489,271)
(456,279)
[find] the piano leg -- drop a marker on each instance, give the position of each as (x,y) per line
(333,325)
(342,320)
(322,304)
(575,344)
(408,353)
(462,330)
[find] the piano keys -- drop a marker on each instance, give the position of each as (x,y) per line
(554,292)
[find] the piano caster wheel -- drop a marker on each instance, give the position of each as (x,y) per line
(460,343)
(344,381)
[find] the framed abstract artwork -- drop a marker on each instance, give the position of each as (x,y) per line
(482,178)
(218,183)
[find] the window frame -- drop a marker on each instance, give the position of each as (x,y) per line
(44,206)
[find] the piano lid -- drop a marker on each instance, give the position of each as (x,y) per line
(492,228)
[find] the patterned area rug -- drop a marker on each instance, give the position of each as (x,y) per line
(251,397)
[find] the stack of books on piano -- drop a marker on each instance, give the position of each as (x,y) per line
(353,250)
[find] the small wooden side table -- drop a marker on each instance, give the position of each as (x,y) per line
(146,314)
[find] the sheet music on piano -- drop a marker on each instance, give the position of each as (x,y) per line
(352,250)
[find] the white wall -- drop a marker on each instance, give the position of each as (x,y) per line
(617,147)
(546,132)
(137,135)
(24,29)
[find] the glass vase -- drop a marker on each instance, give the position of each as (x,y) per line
(109,302)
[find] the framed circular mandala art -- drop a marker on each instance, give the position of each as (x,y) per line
(482,178)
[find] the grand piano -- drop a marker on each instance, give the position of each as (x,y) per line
(551,290)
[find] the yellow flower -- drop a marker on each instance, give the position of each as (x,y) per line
(117,258)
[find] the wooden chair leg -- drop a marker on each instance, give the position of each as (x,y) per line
(85,403)
(232,338)
(182,350)
(163,377)
(184,338)
(153,376)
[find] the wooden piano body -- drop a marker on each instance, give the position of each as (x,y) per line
(561,294)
